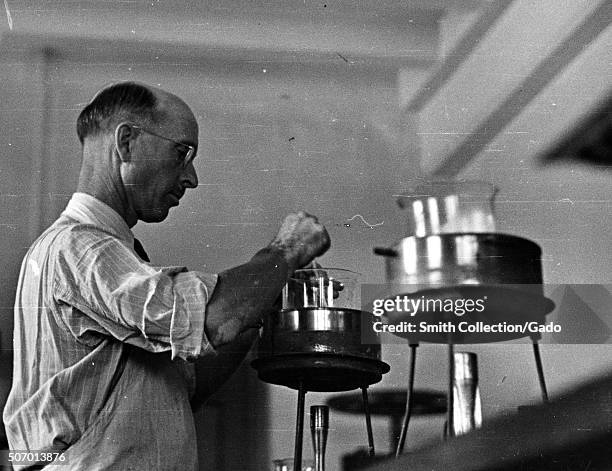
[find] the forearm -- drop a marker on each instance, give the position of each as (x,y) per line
(213,371)
(243,295)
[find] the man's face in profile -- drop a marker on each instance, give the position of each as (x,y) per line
(158,177)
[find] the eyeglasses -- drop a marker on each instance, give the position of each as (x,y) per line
(187,158)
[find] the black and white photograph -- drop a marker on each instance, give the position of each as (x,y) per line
(278,235)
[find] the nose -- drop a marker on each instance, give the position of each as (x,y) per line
(190,177)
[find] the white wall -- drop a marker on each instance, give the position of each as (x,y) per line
(325,135)
(564,208)
(276,135)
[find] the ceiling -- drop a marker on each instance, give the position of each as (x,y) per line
(388,28)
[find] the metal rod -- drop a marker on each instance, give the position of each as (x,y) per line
(319,425)
(409,396)
(366,410)
(538,361)
(299,428)
(450,421)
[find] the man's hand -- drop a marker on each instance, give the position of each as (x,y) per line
(246,293)
(300,239)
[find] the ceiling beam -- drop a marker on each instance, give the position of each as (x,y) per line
(458,54)
(573,45)
(491,81)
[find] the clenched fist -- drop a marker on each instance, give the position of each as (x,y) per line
(300,239)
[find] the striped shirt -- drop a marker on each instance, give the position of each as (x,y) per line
(102,345)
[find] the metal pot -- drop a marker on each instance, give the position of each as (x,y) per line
(464,258)
(503,269)
(321,348)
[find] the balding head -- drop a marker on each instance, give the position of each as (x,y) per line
(132,102)
(123,101)
(135,141)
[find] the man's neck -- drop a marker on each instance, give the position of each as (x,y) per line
(100,177)
(113,203)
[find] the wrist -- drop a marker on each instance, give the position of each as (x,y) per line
(280,256)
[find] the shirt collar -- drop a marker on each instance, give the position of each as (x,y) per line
(89,210)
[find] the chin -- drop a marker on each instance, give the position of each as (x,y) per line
(154,215)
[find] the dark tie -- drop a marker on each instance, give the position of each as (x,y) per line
(140,250)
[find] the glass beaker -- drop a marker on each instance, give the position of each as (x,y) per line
(322,288)
(447,207)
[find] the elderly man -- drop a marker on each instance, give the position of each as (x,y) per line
(112,353)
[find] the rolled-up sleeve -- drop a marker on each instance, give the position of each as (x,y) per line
(187,334)
(104,288)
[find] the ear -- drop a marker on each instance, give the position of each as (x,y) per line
(124,135)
